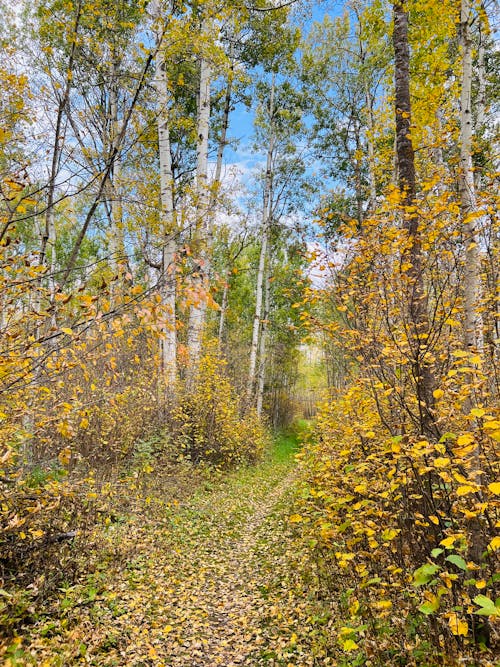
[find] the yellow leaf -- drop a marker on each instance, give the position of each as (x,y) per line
(167,629)
(64,456)
(295,518)
(478,412)
(448,541)
(494,487)
(465,490)
(37,533)
(383,604)
(354,608)
(441,462)
(457,625)
(13,185)
(462,452)
(389,534)
(438,393)
(465,439)
(349,645)
(494,544)
(67,330)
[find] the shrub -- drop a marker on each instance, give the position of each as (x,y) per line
(207,425)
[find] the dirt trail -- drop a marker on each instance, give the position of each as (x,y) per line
(219,621)
(215,579)
(206,583)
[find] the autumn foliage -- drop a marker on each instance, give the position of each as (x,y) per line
(400,501)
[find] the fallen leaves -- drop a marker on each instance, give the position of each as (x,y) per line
(212,580)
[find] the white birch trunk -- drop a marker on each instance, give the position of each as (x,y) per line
(371,151)
(481,98)
(468,204)
(225,125)
(201,277)
(116,239)
(222,316)
(167,215)
(266,219)
(261,377)
(257,318)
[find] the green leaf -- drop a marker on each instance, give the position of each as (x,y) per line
(457,560)
(488,607)
(424,574)
(436,552)
(428,608)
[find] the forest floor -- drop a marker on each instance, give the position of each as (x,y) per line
(216,578)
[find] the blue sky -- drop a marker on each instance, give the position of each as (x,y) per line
(241,120)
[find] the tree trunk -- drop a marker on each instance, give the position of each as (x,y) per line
(225,125)
(468,206)
(266,220)
(167,281)
(418,326)
(116,240)
(372,181)
(261,377)
(223,308)
(201,275)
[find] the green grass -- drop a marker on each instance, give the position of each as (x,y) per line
(287,443)
(284,447)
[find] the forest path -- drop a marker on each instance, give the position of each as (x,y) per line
(213,580)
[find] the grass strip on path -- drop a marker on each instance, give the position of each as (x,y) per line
(213,580)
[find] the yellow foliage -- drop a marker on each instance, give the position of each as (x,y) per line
(206,420)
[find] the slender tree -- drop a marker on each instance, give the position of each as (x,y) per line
(418,324)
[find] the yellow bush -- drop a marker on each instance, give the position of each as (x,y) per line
(398,522)
(207,425)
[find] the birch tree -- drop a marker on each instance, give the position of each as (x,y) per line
(201,276)
(265,223)
(168,230)
(470,213)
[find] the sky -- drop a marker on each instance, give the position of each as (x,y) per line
(240,154)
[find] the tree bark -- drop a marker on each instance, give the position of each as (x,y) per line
(116,238)
(372,180)
(167,279)
(223,309)
(266,219)
(470,214)
(418,326)
(261,376)
(201,276)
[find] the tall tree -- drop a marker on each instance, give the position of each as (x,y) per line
(470,214)
(168,229)
(418,324)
